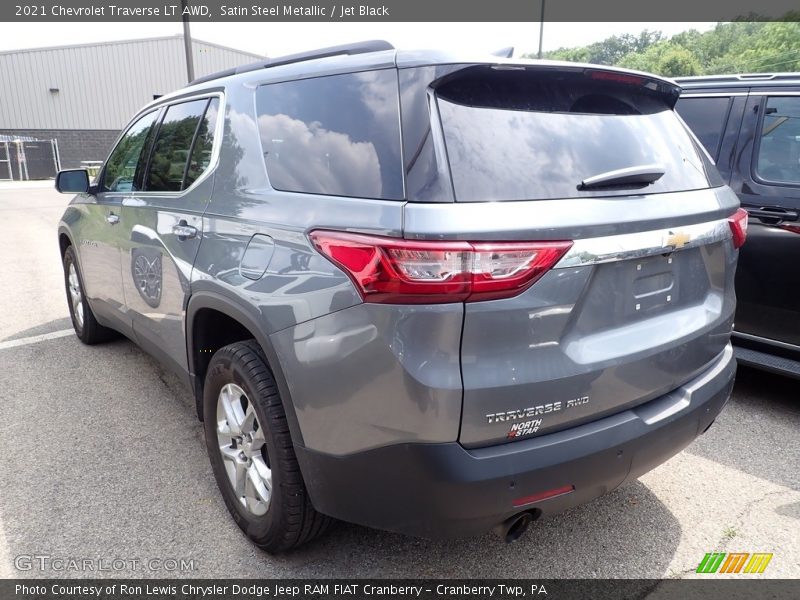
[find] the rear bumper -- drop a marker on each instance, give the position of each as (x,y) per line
(444,490)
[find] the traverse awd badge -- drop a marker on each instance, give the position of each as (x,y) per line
(534,411)
(531,426)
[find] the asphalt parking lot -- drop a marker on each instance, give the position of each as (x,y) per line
(101,457)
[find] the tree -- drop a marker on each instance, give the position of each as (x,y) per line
(777,48)
(609,51)
(667,58)
(744,46)
(677,61)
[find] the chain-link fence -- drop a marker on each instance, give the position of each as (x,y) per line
(26,158)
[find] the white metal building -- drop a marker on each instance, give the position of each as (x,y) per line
(81,96)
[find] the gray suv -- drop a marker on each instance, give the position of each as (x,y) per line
(425,293)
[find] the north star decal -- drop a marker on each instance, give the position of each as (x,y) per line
(524,428)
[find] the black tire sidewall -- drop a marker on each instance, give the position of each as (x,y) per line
(226,368)
(71,259)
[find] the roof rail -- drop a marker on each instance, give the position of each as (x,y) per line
(345,49)
(740,78)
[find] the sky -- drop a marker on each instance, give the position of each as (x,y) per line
(276,39)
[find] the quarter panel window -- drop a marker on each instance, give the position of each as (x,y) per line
(779,141)
(173,145)
(123,171)
(336,135)
(706,117)
(203,144)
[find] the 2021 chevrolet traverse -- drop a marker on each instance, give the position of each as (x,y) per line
(416,291)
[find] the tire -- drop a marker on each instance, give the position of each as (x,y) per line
(238,377)
(88,330)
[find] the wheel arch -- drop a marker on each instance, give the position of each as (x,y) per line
(204,308)
(64,240)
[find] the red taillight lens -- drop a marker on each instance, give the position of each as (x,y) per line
(388,270)
(738,223)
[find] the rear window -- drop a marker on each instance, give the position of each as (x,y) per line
(337,135)
(525,134)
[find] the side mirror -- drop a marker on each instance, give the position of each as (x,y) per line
(73,181)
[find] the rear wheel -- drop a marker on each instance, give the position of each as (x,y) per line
(251,452)
(88,330)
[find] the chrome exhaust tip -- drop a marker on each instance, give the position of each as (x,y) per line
(514,527)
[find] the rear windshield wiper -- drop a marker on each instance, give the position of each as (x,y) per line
(629,176)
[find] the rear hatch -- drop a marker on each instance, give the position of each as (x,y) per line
(642,299)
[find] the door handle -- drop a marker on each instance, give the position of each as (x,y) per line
(772,216)
(112,219)
(184,231)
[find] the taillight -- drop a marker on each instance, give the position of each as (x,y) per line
(738,223)
(394,271)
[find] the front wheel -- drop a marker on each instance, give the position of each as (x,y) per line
(88,330)
(251,451)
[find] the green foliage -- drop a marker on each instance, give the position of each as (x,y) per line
(609,51)
(737,47)
(667,58)
(777,48)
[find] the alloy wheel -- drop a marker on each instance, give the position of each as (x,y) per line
(243,449)
(75,294)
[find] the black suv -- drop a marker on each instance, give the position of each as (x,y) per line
(750,124)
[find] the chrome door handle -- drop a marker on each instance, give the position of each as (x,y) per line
(184,231)
(112,218)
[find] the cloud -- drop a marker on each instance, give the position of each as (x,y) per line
(306,157)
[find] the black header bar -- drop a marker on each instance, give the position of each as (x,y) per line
(709,588)
(395,10)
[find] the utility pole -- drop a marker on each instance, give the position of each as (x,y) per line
(187,42)
(541,29)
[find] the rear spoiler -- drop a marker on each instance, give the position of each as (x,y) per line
(670,90)
(665,90)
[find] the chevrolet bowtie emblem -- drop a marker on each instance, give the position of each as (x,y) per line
(677,240)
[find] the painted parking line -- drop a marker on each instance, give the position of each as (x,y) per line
(34,339)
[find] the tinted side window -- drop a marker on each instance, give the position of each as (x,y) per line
(337,135)
(172,146)
(123,172)
(779,146)
(427,175)
(706,117)
(203,144)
